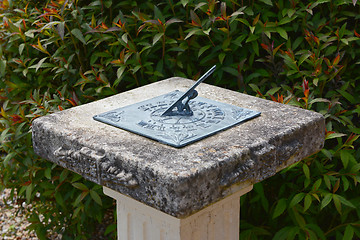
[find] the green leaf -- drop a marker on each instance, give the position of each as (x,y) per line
(94,195)
(297,42)
(80,186)
(59,199)
(120,71)
(29,190)
(319,100)
(157,37)
(348,96)
(231,70)
(345,182)
(317,230)
(280,208)
(304,57)
(335,135)
(61,30)
(173,20)
(282,33)
(39,64)
(184,2)
(345,156)
(327,181)
(80,198)
(299,219)
(76,212)
(8,157)
(244,21)
(254,87)
(291,12)
(268,2)
(21,48)
(195,31)
(337,203)
(282,234)
(317,185)
(355,169)
(64,175)
(108,3)
(2,67)
(158,14)
(306,171)
(349,232)
(79,35)
(47,173)
(259,189)
(199,5)
(222,57)
(238,12)
(110,228)
(124,37)
(255,47)
(207,32)
(203,49)
(345,41)
(76,177)
(252,37)
(285,20)
(342,30)
(316,82)
(296,199)
(307,202)
(273,91)
(30,33)
(345,202)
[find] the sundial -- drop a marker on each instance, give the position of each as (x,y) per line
(177,118)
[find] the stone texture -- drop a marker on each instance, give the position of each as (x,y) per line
(176,181)
(137,221)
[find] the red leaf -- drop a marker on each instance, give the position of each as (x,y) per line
(356,34)
(195,20)
(305,87)
(16,118)
(73,103)
(259,93)
(280,98)
(264,46)
(23,21)
(273,98)
(336,60)
(256,19)
(26,183)
(103,26)
(336,186)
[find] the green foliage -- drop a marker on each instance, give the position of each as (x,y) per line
(58,54)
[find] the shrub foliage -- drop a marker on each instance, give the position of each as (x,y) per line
(58,54)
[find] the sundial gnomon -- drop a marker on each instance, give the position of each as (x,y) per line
(177,118)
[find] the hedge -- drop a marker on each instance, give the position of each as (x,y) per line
(58,54)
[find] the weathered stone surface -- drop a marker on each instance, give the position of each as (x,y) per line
(178,181)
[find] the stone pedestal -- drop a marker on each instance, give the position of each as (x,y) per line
(181,184)
(137,221)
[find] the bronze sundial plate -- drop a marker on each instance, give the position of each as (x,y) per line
(145,118)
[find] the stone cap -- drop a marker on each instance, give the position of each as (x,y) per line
(178,181)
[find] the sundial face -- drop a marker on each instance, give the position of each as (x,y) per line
(147,119)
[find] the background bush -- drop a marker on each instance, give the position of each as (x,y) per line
(59,54)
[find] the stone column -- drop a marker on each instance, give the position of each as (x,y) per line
(137,221)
